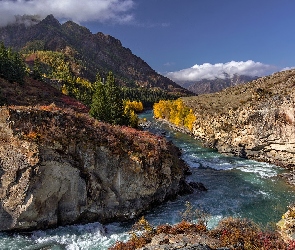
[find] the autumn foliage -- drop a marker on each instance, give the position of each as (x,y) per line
(136,106)
(231,233)
(175,112)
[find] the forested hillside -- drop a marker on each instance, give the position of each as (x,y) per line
(70,53)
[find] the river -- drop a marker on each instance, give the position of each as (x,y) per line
(236,187)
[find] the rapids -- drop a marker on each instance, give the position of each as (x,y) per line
(236,187)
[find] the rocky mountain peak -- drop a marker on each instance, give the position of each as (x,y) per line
(50,20)
(205,86)
(109,39)
(73,27)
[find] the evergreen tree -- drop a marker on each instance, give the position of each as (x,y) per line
(3,60)
(99,108)
(37,74)
(12,66)
(114,102)
(107,104)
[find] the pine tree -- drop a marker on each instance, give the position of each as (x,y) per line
(99,107)
(114,102)
(12,66)
(107,104)
(37,74)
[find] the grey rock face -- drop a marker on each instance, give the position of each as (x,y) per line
(57,168)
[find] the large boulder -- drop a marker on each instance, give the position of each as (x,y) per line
(58,167)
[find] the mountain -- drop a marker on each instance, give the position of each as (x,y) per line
(87,53)
(205,86)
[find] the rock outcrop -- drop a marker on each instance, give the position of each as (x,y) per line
(254,120)
(59,167)
(286,226)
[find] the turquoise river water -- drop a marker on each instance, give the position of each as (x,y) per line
(236,187)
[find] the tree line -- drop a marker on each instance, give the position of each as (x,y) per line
(147,96)
(108,102)
(62,67)
(12,66)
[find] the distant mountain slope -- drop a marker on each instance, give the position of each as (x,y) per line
(206,86)
(96,53)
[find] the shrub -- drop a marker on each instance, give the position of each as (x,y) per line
(238,233)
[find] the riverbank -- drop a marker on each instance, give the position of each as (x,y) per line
(289,176)
(145,124)
(254,120)
(185,241)
(230,233)
(236,187)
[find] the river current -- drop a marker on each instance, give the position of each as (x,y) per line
(236,187)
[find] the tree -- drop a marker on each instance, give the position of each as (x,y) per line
(12,66)
(99,106)
(114,102)
(133,105)
(175,112)
(37,74)
(107,104)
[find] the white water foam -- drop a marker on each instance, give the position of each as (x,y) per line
(79,237)
(264,170)
(221,162)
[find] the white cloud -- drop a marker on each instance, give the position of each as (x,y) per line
(287,68)
(76,10)
(218,70)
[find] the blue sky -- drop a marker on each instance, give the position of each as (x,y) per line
(188,38)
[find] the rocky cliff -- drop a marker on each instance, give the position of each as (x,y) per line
(254,120)
(60,167)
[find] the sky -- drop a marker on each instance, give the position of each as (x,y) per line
(185,40)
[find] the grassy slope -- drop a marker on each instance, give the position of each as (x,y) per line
(248,94)
(34,93)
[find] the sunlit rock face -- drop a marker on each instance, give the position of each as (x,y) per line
(59,167)
(286,224)
(254,120)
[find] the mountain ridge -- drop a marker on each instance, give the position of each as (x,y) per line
(206,86)
(98,53)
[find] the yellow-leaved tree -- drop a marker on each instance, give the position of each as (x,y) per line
(175,112)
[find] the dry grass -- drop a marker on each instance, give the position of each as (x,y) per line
(231,233)
(248,94)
